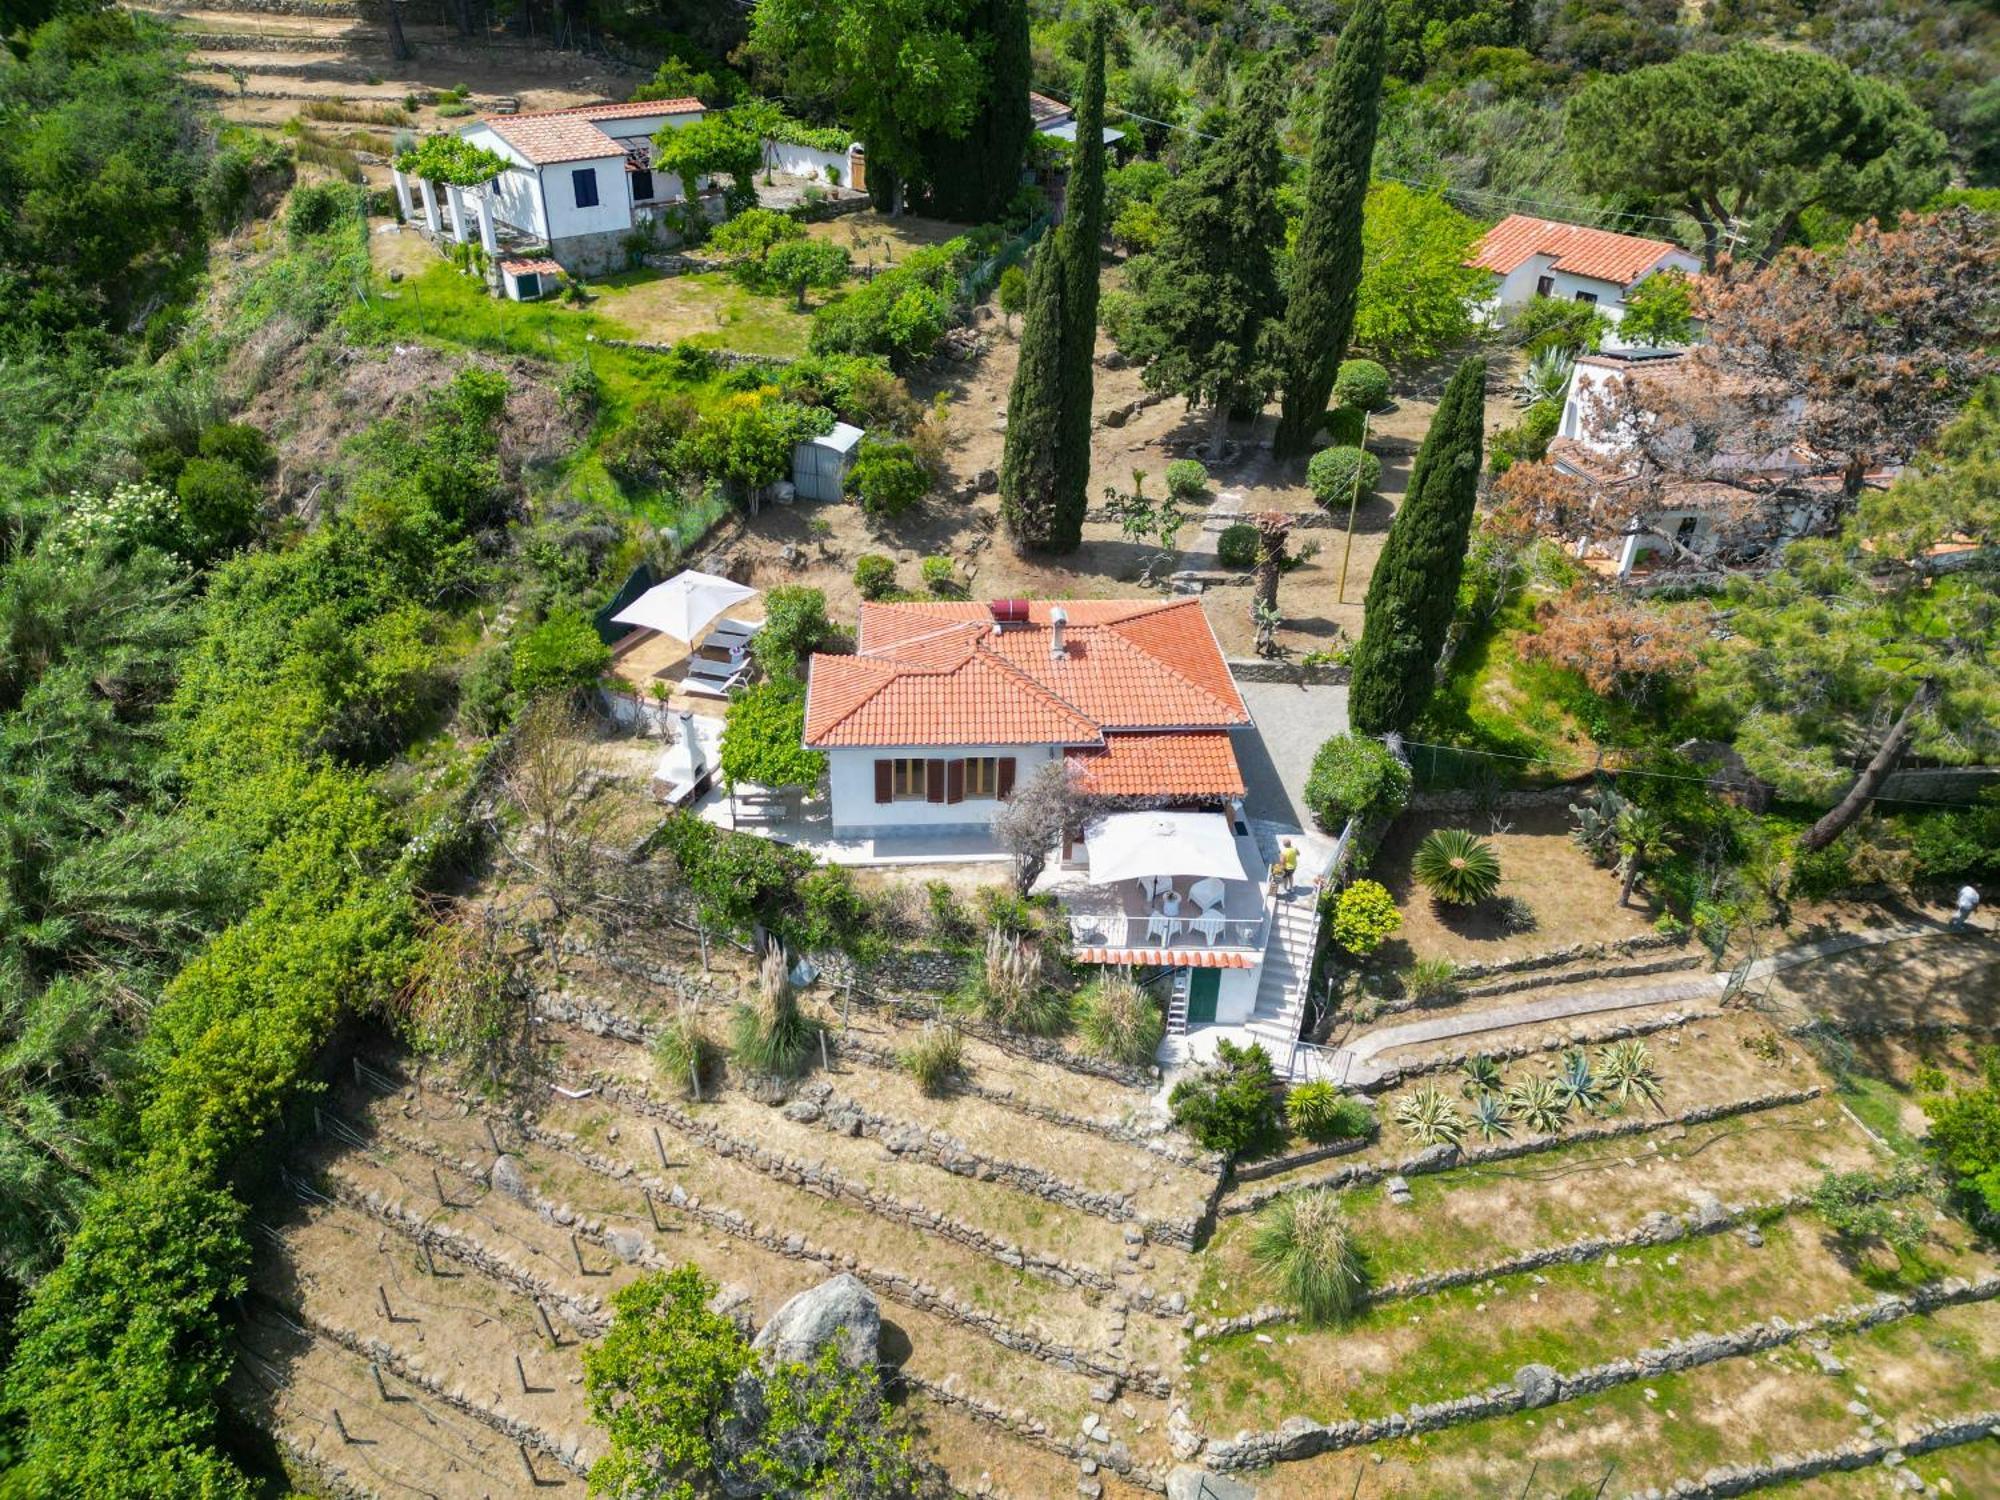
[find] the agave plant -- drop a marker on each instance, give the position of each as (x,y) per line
(1492,1116)
(1456,867)
(1547,377)
(1627,1070)
(1430,1117)
(1579,1086)
(1482,1076)
(1539,1105)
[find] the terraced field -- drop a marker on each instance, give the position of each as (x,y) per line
(1070,1300)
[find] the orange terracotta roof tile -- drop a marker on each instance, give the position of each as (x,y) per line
(1161,765)
(1596,253)
(545,139)
(1149,958)
(531,268)
(1126,665)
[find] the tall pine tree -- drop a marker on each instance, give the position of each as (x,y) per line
(1326,262)
(972,176)
(1028,466)
(1414,590)
(1207,298)
(1082,252)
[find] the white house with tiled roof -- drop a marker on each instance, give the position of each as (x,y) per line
(580,180)
(945,708)
(1532,258)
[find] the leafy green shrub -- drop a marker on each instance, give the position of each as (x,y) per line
(936,1059)
(1965,1131)
(1527,441)
(241,444)
(1430,979)
(1545,323)
(1303,1241)
(763,737)
(949,921)
(888,478)
(901,313)
(1187,480)
(874,575)
(940,576)
(562,654)
(639,452)
(1237,546)
(1346,425)
(319,207)
(1362,384)
(1863,1209)
(1456,867)
(219,503)
(685,1051)
(740,880)
(1231,1104)
(1013,292)
(1331,474)
(1364,917)
(773,1037)
(795,626)
(1430,1117)
(1120,1020)
(1354,776)
(486,692)
(1320,1112)
(751,235)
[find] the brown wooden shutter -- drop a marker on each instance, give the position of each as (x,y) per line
(885,785)
(1005,784)
(954,781)
(934,781)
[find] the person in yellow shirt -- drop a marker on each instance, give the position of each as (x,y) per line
(1288,866)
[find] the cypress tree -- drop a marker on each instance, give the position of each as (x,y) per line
(1413,592)
(1208,298)
(1082,251)
(1326,265)
(1035,406)
(973,176)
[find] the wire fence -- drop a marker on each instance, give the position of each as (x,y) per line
(982,278)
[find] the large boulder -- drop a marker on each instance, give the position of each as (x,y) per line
(1190,1483)
(1538,1385)
(841,1311)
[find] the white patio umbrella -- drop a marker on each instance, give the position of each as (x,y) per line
(1128,846)
(684,605)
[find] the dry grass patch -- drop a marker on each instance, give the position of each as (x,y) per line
(1480,1214)
(1444,1345)
(1542,872)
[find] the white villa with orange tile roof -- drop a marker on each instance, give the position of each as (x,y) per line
(944,708)
(577,183)
(1543,258)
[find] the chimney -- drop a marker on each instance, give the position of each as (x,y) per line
(1057,619)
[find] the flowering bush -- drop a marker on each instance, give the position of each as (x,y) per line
(132,515)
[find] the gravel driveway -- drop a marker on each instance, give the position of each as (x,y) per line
(1277,752)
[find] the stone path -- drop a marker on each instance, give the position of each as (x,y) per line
(1364,1071)
(1355,1063)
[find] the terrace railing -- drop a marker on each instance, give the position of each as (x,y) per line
(1192,932)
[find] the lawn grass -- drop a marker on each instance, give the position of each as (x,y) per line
(1448,1343)
(709,309)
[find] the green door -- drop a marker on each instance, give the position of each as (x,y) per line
(1203,986)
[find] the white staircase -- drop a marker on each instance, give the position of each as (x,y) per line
(1286,971)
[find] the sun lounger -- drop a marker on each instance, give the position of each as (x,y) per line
(714,679)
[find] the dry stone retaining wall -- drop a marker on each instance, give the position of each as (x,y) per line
(1742,1479)
(1590,1035)
(1113,1456)
(1444,1158)
(1300,1437)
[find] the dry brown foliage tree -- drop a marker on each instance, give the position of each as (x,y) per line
(460,1000)
(548,778)
(1622,647)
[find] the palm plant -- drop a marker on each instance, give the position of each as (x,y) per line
(1304,1242)
(1539,1105)
(1492,1116)
(773,1036)
(1579,1086)
(1642,840)
(1627,1070)
(1430,1117)
(1456,867)
(1482,1076)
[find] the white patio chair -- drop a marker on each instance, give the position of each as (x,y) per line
(1206,893)
(1160,929)
(1209,924)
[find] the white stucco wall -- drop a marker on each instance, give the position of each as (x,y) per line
(515,201)
(1518,286)
(803,161)
(1236,998)
(1579,403)
(614,198)
(851,778)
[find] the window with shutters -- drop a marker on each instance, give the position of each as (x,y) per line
(982,776)
(907,780)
